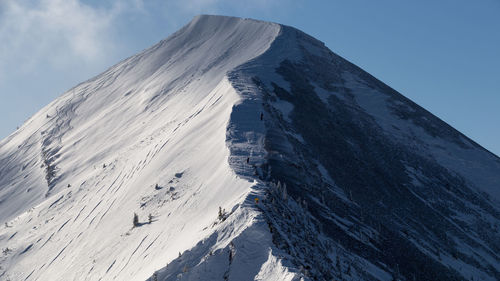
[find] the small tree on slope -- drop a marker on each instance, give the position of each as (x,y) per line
(136,220)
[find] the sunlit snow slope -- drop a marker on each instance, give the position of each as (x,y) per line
(72,177)
(249,151)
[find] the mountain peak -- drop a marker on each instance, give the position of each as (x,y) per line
(221,20)
(244,150)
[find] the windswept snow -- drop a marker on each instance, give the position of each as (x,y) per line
(249,151)
(148,136)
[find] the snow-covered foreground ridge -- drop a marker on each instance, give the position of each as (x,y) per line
(193,134)
(157,118)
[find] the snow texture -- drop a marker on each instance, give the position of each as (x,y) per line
(249,151)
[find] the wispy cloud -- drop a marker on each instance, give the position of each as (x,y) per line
(52,31)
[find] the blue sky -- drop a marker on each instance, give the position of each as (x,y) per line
(444,55)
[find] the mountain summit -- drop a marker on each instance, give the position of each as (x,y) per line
(237,149)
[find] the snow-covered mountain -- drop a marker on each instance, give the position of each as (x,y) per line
(249,151)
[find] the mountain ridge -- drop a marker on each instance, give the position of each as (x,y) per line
(280,133)
(318,171)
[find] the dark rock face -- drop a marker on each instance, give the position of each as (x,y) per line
(388,202)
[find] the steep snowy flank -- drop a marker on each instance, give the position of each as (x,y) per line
(376,187)
(248,151)
(146,137)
